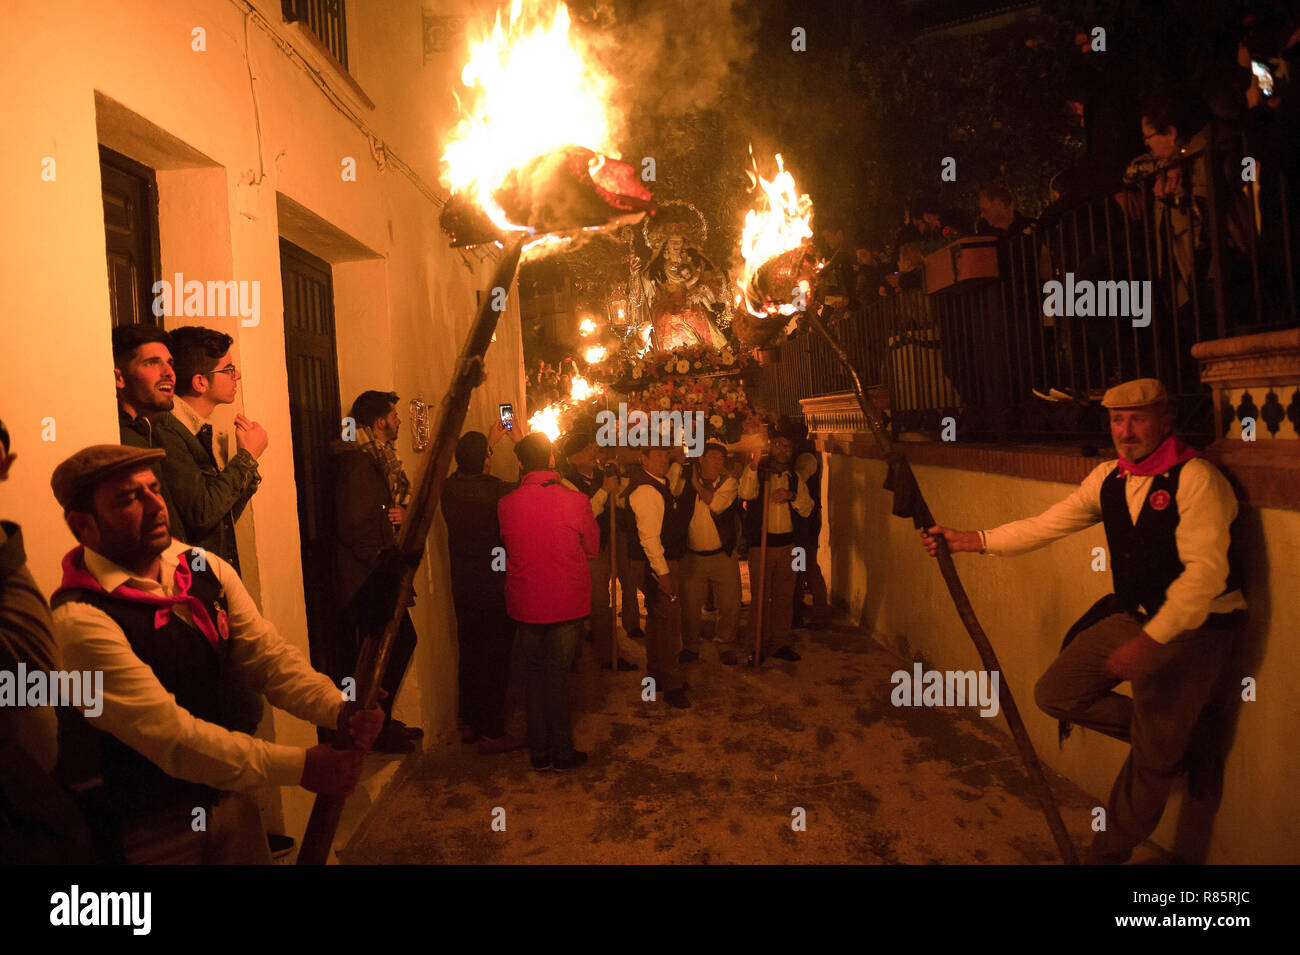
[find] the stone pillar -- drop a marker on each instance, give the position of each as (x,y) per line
(1256,378)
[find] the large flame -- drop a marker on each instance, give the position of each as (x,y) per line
(586,327)
(595,354)
(533,94)
(584,390)
(547,421)
(781,222)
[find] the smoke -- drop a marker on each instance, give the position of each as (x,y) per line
(668,57)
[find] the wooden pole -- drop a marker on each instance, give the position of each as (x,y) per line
(613,582)
(760,600)
(902,471)
(327,810)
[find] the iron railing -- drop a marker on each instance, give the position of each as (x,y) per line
(325,18)
(1212,256)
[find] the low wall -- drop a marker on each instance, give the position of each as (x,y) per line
(879,571)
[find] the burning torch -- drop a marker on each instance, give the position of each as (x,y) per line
(532,169)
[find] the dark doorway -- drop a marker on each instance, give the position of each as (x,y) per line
(315,418)
(130,236)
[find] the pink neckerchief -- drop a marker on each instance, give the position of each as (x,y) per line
(1172,451)
(75,574)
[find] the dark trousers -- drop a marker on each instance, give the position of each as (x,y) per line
(399,660)
(485,635)
(778,589)
(631,576)
(663,631)
(344,658)
(813,581)
(1157,720)
(548,651)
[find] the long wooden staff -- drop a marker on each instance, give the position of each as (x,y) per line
(327,810)
(613,582)
(760,600)
(901,471)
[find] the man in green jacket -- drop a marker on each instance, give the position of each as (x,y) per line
(209,486)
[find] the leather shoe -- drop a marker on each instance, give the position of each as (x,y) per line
(410,732)
(578,758)
(392,741)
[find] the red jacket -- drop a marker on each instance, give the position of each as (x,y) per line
(549,534)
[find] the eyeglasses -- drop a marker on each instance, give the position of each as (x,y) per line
(228,370)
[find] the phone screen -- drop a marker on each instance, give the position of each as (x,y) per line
(507,417)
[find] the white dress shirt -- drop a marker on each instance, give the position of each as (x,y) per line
(1206,508)
(702,532)
(648,506)
(779,518)
(141,713)
(599,500)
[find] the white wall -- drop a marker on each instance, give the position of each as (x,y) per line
(1026,604)
(403,300)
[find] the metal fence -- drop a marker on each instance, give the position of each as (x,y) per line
(1184,253)
(325,18)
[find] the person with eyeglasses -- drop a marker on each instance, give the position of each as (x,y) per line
(210,486)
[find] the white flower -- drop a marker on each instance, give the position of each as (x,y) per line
(683,366)
(664,402)
(716,420)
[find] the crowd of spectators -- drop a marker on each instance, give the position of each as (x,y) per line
(1157,152)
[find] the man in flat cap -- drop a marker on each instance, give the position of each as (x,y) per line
(161,775)
(708,499)
(788,498)
(1168,626)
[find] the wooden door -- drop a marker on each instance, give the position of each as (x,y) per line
(130,236)
(315,419)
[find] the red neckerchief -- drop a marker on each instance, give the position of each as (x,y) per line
(76,575)
(1172,451)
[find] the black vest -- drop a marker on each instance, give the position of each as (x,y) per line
(1144,557)
(201,678)
(673,533)
(726,522)
(589,486)
(754,511)
(808,529)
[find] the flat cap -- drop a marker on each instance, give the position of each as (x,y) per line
(91,465)
(1137,393)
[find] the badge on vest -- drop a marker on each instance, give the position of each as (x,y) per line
(1159,500)
(223,624)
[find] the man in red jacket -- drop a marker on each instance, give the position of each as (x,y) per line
(549,535)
